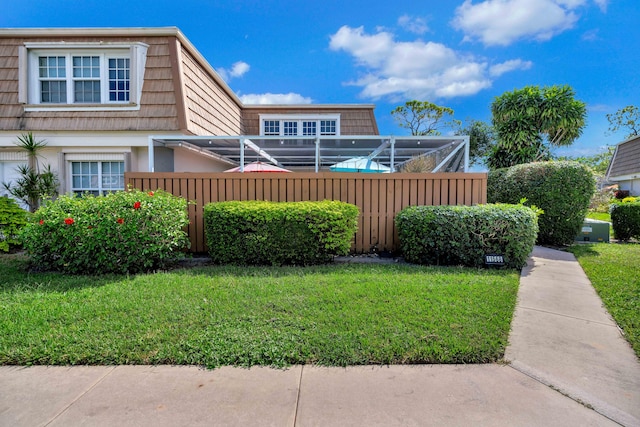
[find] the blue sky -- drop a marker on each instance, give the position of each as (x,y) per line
(457,53)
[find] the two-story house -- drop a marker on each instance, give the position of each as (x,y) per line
(96,95)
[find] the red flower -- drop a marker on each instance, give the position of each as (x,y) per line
(120,220)
(41,221)
(69,221)
(150,193)
(136,205)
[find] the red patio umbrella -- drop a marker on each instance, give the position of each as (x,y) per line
(258,167)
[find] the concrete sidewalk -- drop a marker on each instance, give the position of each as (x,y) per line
(568,366)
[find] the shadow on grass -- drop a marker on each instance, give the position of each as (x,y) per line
(583,250)
(18,276)
(588,249)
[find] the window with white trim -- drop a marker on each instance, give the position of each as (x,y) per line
(300,125)
(309,128)
(83,76)
(271,127)
(97,178)
(290,128)
(327,127)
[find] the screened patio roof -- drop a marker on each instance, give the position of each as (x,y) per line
(449,153)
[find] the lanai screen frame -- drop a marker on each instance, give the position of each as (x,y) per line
(319,151)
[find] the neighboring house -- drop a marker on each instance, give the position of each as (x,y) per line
(624,168)
(96,95)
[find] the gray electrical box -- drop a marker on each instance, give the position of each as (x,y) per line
(593,230)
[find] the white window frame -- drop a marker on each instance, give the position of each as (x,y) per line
(299,120)
(30,81)
(72,158)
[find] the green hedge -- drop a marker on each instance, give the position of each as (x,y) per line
(563,190)
(463,235)
(126,231)
(12,219)
(625,218)
(272,233)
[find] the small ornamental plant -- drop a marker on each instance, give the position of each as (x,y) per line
(122,232)
(12,219)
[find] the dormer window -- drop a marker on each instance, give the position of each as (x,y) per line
(300,124)
(83,77)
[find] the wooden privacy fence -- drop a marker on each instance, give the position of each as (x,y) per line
(379,196)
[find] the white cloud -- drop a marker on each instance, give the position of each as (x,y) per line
(275,98)
(502,22)
(591,35)
(416,69)
(602,4)
(238,69)
(413,25)
(514,64)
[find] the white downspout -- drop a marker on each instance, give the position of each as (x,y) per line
(151,166)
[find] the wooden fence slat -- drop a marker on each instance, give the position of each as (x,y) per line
(378,196)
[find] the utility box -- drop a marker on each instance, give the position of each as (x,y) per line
(593,230)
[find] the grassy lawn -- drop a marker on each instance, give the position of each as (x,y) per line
(601,216)
(213,316)
(614,271)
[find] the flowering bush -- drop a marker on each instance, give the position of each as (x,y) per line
(621,194)
(126,231)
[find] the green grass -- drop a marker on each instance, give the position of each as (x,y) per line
(614,271)
(329,315)
(600,216)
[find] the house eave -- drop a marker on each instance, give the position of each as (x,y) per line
(628,177)
(89,32)
(123,32)
(310,106)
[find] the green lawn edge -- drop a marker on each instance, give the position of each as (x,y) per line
(333,315)
(614,272)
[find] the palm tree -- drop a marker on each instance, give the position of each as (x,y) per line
(32,186)
(530,121)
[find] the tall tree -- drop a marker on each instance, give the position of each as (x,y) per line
(530,121)
(481,140)
(625,118)
(423,117)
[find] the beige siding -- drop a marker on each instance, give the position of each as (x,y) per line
(210,110)
(627,160)
(9,109)
(353,121)
(157,113)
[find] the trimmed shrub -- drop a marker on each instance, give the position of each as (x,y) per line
(463,235)
(126,231)
(625,218)
(279,233)
(563,190)
(12,219)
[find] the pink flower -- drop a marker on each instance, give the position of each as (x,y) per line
(136,205)
(120,220)
(69,221)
